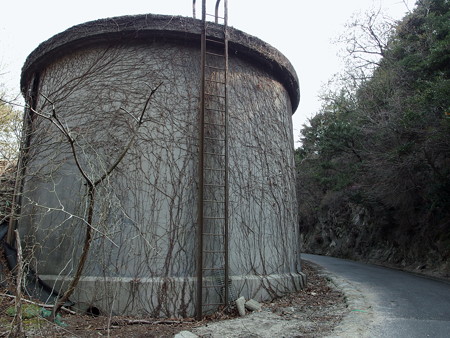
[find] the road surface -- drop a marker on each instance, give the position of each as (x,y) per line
(403,304)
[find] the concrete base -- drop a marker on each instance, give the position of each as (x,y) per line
(166,297)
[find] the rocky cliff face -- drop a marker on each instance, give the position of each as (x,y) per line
(350,230)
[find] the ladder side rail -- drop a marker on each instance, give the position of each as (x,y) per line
(199,310)
(225,21)
(217,11)
(226,206)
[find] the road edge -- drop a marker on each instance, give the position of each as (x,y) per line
(360,316)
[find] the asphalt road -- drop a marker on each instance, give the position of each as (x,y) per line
(405,305)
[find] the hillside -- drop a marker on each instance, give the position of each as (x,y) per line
(373,171)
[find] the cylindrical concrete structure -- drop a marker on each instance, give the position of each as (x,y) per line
(95,78)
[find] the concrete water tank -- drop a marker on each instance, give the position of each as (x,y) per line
(96,78)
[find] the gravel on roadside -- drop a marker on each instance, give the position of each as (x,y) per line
(320,309)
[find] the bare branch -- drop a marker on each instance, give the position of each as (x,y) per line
(57,123)
(47,306)
(128,146)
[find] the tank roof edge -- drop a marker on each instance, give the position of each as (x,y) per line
(163,26)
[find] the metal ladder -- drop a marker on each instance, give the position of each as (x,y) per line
(212,264)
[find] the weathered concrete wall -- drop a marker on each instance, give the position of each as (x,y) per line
(143,259)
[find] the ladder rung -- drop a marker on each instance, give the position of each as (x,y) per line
(214,139)
(213,201)
(215,154)
(214,124)
(221,82)
(215,54)
(216,41)
(215,110)
(214,16)
(213,67)
(213,269)
(214,185)
(211,94)
(213,251)
(208,217)
(212,234)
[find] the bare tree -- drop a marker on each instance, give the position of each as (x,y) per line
(365,41)
(91,182)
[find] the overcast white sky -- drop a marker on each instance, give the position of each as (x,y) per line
(301,29)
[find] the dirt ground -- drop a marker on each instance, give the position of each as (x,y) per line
(312,312)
